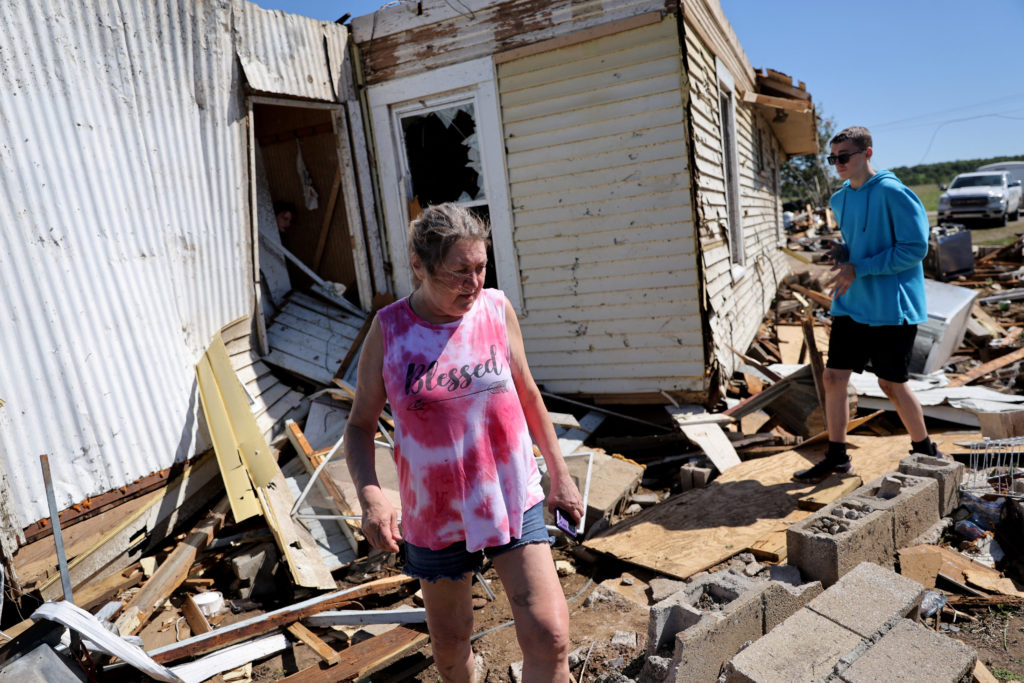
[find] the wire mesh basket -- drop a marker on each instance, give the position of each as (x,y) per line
(994,465)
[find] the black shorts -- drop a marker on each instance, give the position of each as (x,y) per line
(852,345)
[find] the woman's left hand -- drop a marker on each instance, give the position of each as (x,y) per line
(566,496)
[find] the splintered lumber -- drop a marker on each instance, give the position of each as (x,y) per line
(196,620)
(314,643)
(231,658)
(244,456)
(823,300)
(986,368)
(119,547)
(362,659)
(699,528)
(296,544)
(171,573)
(817,365)
(264,623)
(829,490)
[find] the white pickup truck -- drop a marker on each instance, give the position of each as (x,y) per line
(984,196)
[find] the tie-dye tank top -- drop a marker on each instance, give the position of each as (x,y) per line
(463,451)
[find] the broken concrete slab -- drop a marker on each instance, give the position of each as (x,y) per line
(629,587)
(948,473)
(782,600)
(662,588)
(927,655)
(839,537)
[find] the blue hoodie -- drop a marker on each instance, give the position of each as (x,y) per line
(885,228)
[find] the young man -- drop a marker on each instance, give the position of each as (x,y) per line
(878,294)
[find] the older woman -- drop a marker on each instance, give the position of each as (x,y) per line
(450,360)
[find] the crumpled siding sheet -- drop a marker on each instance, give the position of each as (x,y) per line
(124,239)
(284,53)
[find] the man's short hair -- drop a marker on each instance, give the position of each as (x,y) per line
(858,135)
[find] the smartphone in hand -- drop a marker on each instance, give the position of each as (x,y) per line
(564,522)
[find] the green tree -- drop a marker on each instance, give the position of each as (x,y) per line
(809,178)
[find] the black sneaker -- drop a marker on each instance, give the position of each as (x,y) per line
(823,469)
(936,453)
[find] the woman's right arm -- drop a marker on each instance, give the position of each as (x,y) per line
(380,519)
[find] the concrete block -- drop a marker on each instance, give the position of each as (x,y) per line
(837,538)
(786,573)
(869,600)
(655,669)
(805,647)
(913,503)
(667,618)
(932,534)
(693,477)
(662,588)
(703,650)
(781,601)
(254,570)
(948,473)
(911,652)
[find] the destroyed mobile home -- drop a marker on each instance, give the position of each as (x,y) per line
(187,367)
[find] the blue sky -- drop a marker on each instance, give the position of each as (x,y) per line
(934,80)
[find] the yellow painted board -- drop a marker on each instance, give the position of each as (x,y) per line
(297,546)
(240,492)
(249,439)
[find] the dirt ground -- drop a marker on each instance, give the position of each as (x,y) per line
(998,636)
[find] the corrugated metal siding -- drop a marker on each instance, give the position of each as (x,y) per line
(597,164)
(284,53)
(395,42)
(125,242)
(737,307)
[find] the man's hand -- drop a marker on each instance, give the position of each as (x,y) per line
(841,281)
(380,525)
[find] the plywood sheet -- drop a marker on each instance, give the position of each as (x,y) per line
(699,528)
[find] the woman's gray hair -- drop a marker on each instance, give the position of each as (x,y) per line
(438,228)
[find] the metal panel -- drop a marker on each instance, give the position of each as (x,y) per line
(284,53)
(125,242)
(600,193)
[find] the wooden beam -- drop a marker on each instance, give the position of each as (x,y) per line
(786,103)
(327,653)
(182,498)
(325,226)
(817,365)
(850,426)
(823,300)
(982,370)
(171,573)
(197,622)
(265,623)
(362,659)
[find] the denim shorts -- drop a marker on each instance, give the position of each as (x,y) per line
(454,561)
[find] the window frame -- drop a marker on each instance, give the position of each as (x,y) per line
(474,81)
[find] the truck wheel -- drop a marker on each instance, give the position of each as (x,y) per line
(1001,221)
(1016,214)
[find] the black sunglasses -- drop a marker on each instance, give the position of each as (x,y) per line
(841,158)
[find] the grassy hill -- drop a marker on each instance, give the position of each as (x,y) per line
(942,173)
(928,194)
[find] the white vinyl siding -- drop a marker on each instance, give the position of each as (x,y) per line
(599,184)
(738,297)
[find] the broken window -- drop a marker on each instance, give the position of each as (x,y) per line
(443,154)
